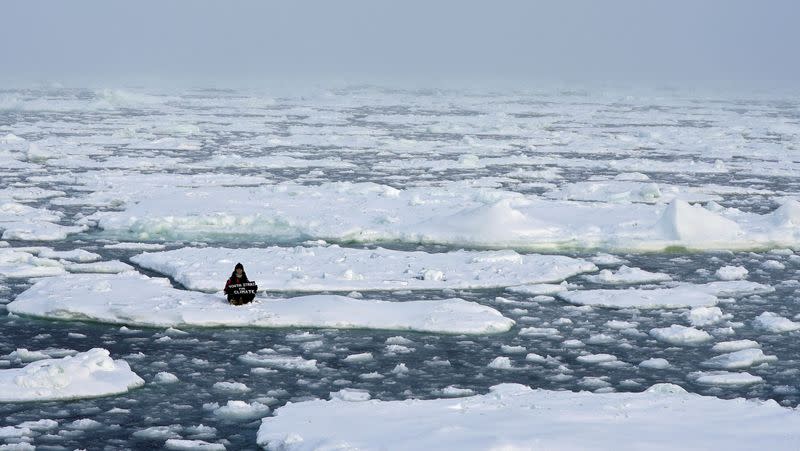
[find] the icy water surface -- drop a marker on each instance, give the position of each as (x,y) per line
(742,150)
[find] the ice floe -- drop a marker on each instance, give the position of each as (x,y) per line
(190,445)
(134,299)
(84,375)
(37,231)
(735,360)
(655,364)
(106,267)
(772,322)
(596,358)
(538,289)
(513,416)
(74,255)
(236,410)
(724,378)
(681,335)
(18,264)
(450,214)
(627,275)
(687,295)
(163,377)
(335,268)
(704,316)
(735,345)
(624,190)
(731,273)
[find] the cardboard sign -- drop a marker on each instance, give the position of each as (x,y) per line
(242,292)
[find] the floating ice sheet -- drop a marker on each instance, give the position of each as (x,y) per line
(513,416)
(18,264)
(627,275)
(336,268)
(688,295)
(451,214)
(134,299)
(85,375)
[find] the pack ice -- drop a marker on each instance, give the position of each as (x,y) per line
(686,295)
(513,416)
(84,375)
(451,214)
(134,299)
(23,222)
(335,268)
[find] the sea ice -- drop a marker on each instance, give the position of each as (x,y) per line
(686,295)
(680,335)
(725,378)
(538,289)
(75,255)
(731,273)
(163,377)
(231,387)
(736,360)
(343,269)
(772,322)
(704,316)
(624,190)
(190,445)
(513,416)
(104,267)
(241,411)
(18,264)
(134,299)
(627,275)
(596,358)
(85,375)
(270,358)
(655,363)
(450,214)
(736,345)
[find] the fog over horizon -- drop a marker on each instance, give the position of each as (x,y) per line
(222,44)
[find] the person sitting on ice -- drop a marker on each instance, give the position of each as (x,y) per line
(239,288)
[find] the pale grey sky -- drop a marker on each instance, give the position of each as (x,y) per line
(202,42)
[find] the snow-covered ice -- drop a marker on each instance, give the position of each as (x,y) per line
(725,378)
(681,335)
(84,375)
(704,316)
(336,268)
(450,214)
(513,416)
(627,275)
(602,176)
(538,289)
(772,322)
(106,267)
(735,360)
(190,445)
(731,273)
(735,345)
(236,410)
(19,264)
(655,364)
(686,295)
(134,299)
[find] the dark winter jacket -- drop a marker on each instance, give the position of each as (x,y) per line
(234,280)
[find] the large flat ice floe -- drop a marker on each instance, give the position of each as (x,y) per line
(336,268)
(689,295)
(84,375)
(134,299)
(513,416)
(454,213)
(22,222)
